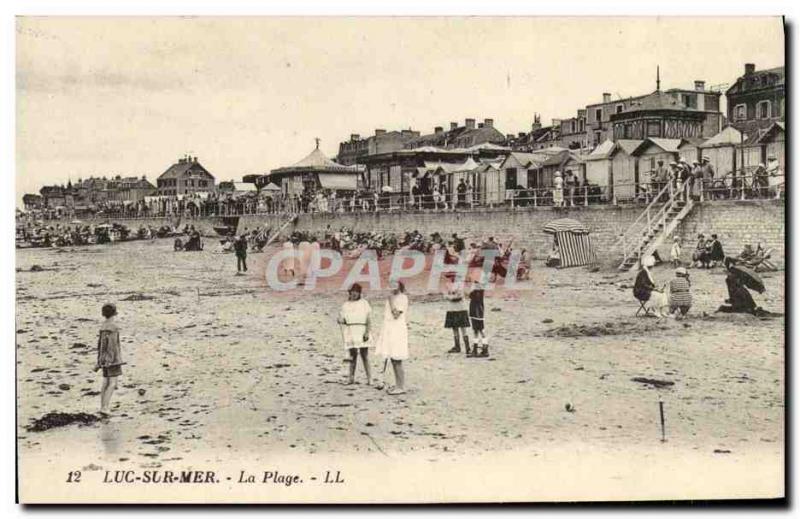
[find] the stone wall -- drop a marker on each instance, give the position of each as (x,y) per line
(524,226)
(737,223)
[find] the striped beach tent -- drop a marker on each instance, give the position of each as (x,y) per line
(574,242)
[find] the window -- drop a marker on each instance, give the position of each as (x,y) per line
(740,112)
(572,126)
(764,110)
(598,115)
(582,125)
(619,109)
(653,129)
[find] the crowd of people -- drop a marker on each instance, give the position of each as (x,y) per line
(674,299)
(763,181)
(63,235)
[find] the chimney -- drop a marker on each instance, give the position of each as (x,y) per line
(379,132)
(749,68)
(470,124)
(699,85)
(480,125)
(195,160)
(488,123)
(510,136)
(453,126)
(537,122)
(521,134)
(438,129)
(606,97)
(354,137)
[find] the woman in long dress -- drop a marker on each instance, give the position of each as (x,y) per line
(393,342)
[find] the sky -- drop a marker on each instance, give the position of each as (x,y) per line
(111,96)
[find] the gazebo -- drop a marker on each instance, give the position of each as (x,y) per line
(314,172)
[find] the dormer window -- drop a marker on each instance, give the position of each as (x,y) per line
(764,110)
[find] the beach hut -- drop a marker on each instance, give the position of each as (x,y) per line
(624,168)
(598,167)
(574,242)
(774,142)
(721,150)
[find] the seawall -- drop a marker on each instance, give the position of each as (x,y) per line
(735,222)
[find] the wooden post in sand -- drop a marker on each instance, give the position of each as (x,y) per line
(661,412)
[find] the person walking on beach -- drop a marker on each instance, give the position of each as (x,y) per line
(393,342)
(109,356)
(354,318)
(240,247)
(476,319)
(457,318)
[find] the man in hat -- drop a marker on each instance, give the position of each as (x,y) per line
(661,176)
(680,296)
(775,176)
(707,172)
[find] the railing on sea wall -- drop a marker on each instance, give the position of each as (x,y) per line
(748,184)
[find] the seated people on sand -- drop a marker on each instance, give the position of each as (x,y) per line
(680,295)
(554,258)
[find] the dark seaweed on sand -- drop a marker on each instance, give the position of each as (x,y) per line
(56,419)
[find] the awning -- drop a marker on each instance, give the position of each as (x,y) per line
(339,181)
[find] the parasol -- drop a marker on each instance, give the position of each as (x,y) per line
(565,225)
(749,278)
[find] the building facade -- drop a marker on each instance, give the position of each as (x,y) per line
(184,177)
(353,151)
(757,100)
(601,117)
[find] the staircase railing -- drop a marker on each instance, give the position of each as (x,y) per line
(631,240)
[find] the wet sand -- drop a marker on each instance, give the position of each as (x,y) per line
(221,368)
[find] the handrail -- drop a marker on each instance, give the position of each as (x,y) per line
(660,216)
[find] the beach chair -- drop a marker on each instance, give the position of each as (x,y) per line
(764,264)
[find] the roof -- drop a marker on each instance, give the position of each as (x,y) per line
(181,167)
(729,136)
(670,145)
(244,186)
(778,72)
(629,146)
(317,161)
(602,151)
(458,136)
(776,127)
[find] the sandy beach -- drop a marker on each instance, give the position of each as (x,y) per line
(220,369)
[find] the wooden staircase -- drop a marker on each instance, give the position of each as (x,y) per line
(655,225)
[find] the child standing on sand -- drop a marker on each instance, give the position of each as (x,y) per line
(109,356)
(476,320)
(457,317)
(393,342)
(354,318)
(675,252)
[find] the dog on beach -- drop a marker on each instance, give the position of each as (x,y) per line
(658,304)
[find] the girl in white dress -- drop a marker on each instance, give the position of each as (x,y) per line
(354,318)
(393,342)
